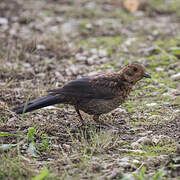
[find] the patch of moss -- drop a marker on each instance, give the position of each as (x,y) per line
(155,150)
(108,43)
(166,44)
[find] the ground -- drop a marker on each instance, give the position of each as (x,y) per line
(45,44)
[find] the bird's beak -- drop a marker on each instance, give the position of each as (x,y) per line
(147,75)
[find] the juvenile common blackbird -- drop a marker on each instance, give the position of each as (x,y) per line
(94,95)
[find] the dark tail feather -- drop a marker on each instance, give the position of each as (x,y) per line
(38,103)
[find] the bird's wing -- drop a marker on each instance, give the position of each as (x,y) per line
(85,88)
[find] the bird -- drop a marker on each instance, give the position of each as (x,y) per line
(95,95)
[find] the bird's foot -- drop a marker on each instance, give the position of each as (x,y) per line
(77,127)
(107,125)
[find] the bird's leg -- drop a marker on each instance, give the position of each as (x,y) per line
(79,114)
(96,118)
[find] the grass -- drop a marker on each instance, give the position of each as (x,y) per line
(142,176)
(41,144)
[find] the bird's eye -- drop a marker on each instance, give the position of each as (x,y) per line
(135,69)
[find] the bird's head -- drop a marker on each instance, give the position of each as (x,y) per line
(133,73)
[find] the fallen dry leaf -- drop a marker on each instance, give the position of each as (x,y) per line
(131,5)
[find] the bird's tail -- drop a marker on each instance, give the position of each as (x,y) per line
(38,103)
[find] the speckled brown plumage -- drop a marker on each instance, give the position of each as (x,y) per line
(95,95)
